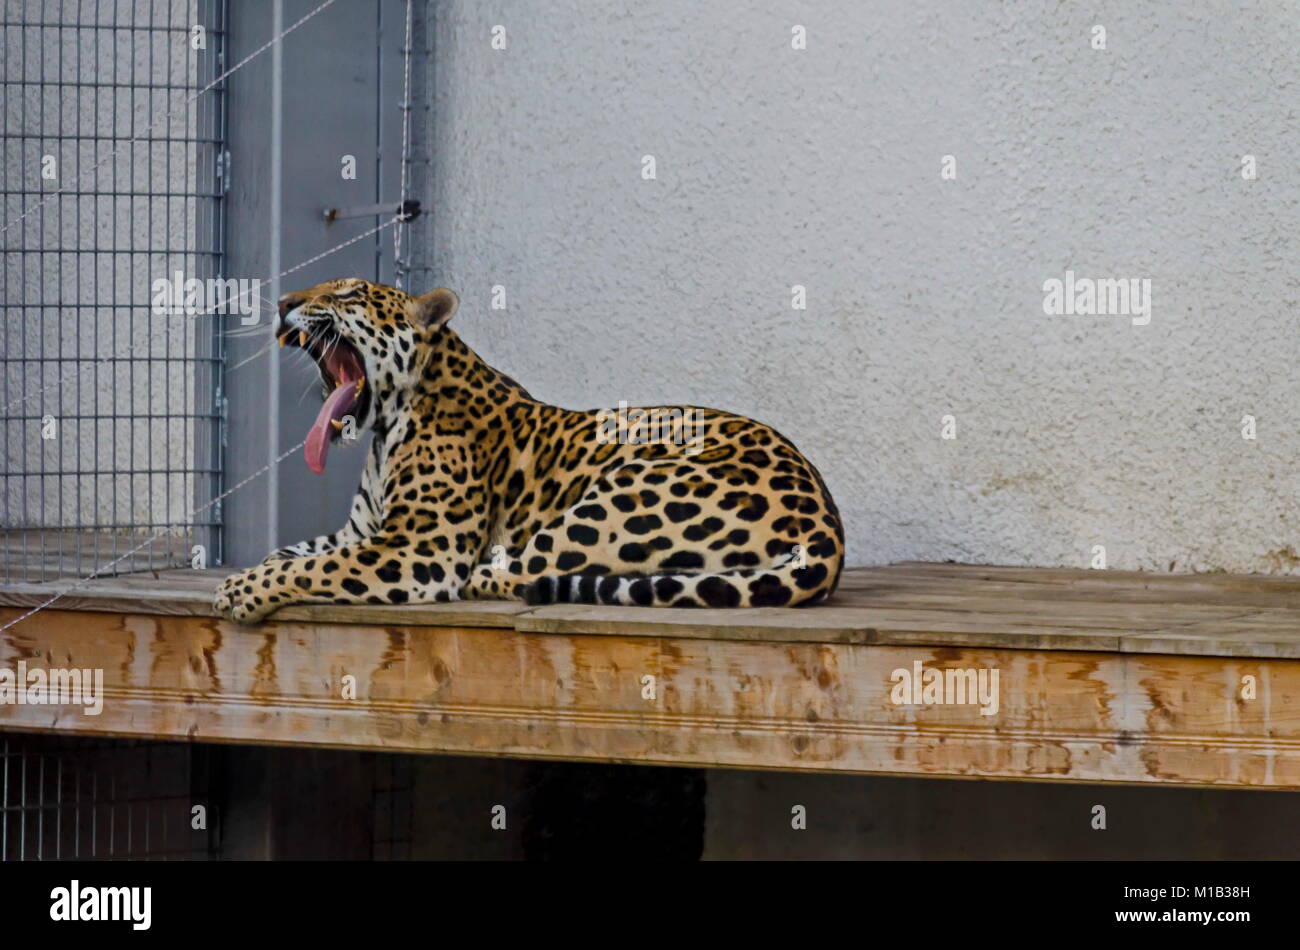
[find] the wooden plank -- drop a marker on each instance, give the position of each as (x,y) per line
(919,604)
(467,613)
(826,624)
(189,593)
(1117,613)
(1063,715)
(1262,634)
(1065,576)
(1097,586)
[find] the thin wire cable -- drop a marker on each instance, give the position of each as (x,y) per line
(224,303)
(167,115)
(406,136)
(152,538)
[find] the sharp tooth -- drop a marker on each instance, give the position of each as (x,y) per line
(284,336)
(337,424)
(360,385)
(302,337)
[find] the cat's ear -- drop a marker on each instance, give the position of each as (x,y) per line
(432,310)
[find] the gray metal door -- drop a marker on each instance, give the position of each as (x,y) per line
(318,123)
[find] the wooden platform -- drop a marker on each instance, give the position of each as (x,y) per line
(1102,676)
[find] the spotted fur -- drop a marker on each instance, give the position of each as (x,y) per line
(474,489)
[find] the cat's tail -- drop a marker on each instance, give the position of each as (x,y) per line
(796,581)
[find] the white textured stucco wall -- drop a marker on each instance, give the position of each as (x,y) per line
(822,167)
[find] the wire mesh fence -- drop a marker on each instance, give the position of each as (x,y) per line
(413,267)
(64,798)
(111,408)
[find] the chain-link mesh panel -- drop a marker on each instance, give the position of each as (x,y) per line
(67,798)
(111,428)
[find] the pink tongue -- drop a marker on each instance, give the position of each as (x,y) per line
(336,407)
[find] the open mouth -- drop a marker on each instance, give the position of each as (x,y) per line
(343,374)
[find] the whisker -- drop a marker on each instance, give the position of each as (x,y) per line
(245,331)
(307,389)
(249,359)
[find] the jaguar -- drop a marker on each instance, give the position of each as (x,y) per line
(473,489)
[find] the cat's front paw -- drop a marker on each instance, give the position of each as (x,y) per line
(242,598)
